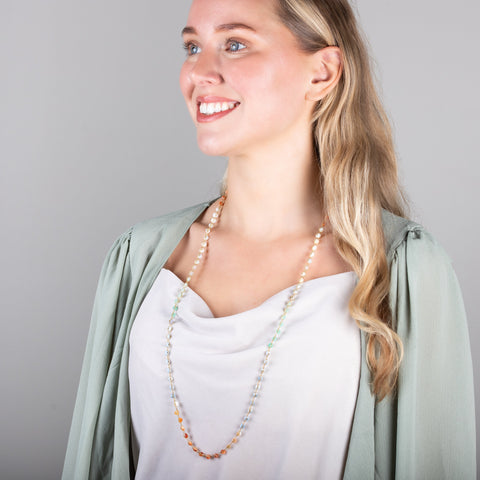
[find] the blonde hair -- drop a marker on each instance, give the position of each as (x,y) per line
(358,173)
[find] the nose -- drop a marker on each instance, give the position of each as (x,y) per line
(205,70)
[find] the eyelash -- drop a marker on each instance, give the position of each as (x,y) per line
(188,45)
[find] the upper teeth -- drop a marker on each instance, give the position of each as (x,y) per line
(211,108)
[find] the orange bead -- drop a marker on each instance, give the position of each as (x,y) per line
(176,412)
(182,428)
(208,457)
(195,449)
(234,440)
(201,454)
(190,443)
(217,455)
(180,419)
(223,452)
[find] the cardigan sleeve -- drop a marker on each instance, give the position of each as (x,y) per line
(92,436)
(435,417)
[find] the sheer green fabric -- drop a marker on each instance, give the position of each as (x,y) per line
(426,431)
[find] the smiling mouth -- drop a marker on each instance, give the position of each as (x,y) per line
(209,111)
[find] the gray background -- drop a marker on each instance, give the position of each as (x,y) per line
(94,137)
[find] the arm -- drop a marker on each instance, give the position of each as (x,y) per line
(435,418)
(93,418)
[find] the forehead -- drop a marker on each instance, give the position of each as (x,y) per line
(206,14)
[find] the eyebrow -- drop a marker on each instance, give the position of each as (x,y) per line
(221,28)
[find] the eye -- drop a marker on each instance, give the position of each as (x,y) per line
(191,49)
(235,46)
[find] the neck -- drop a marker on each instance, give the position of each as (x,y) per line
(273,195)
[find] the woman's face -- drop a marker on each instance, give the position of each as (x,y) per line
(244,79)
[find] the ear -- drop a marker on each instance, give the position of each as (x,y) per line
(326,71)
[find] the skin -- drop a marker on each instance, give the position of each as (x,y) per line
(272,211)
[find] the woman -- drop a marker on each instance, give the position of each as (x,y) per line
(209,356)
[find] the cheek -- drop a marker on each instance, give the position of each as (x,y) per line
(185,84)
(270,86)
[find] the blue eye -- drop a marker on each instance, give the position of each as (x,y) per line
(234,46)
(191,49)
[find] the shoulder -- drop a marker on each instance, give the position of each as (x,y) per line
(421,273)
(148,244)
(396,230)
(402,234)
(168,223)
(158,236)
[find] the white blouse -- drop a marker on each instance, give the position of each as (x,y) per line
(301,424)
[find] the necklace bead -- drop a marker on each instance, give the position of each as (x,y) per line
(268,351)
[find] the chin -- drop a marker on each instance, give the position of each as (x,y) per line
(212,146)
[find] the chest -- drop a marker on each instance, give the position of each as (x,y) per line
(234,275)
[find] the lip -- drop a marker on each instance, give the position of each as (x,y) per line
(214,99)
(201,118)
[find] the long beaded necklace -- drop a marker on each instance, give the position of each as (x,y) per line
(268,351)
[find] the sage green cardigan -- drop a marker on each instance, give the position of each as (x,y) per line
(426,431)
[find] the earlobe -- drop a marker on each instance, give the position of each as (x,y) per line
(327,68)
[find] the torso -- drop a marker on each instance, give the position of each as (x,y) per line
(237,275)
(302,418)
